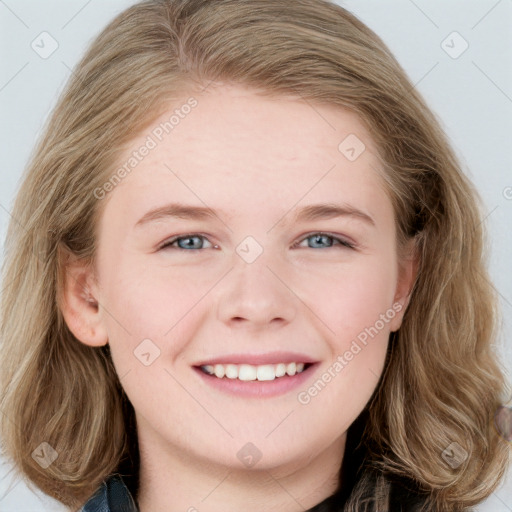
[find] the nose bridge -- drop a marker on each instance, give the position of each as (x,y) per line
(255,290)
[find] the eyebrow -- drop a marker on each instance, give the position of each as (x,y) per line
(307,213)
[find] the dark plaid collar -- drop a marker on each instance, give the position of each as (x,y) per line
(112,496)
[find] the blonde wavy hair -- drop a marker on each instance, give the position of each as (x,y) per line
(442,382)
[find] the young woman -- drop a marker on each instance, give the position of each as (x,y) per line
(246,273)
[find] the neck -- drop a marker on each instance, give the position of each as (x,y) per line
(172,480)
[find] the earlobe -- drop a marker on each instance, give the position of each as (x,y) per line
(408,270)
(77,300)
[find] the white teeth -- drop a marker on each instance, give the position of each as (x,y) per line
(248,372)
(219,371)
(266,372)
(280,370)
(291,369)
(231,371)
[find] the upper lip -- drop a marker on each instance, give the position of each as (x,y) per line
(259,359)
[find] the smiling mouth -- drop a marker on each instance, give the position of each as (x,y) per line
(249,372)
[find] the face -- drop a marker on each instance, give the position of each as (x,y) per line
(269,278)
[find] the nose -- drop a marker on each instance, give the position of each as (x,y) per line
(256,295)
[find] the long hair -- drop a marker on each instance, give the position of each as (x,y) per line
(442,382)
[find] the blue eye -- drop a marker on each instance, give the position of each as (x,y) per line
(193,242)
(318,237)
(186,246)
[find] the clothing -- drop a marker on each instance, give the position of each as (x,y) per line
(114,495)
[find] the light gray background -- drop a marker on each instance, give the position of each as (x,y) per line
(471,94)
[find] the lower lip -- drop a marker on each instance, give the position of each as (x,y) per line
(256,388)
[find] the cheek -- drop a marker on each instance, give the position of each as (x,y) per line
(356,305)
(151,298)
(148,313)
(358,312)
(351,298)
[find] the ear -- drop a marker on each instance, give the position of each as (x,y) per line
(407,271)
(77,300)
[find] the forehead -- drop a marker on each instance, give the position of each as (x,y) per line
(238,149)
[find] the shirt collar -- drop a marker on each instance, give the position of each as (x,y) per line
(112,496)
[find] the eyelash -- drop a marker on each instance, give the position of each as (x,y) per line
(342,242)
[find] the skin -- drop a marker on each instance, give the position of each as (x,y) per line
(254,160)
